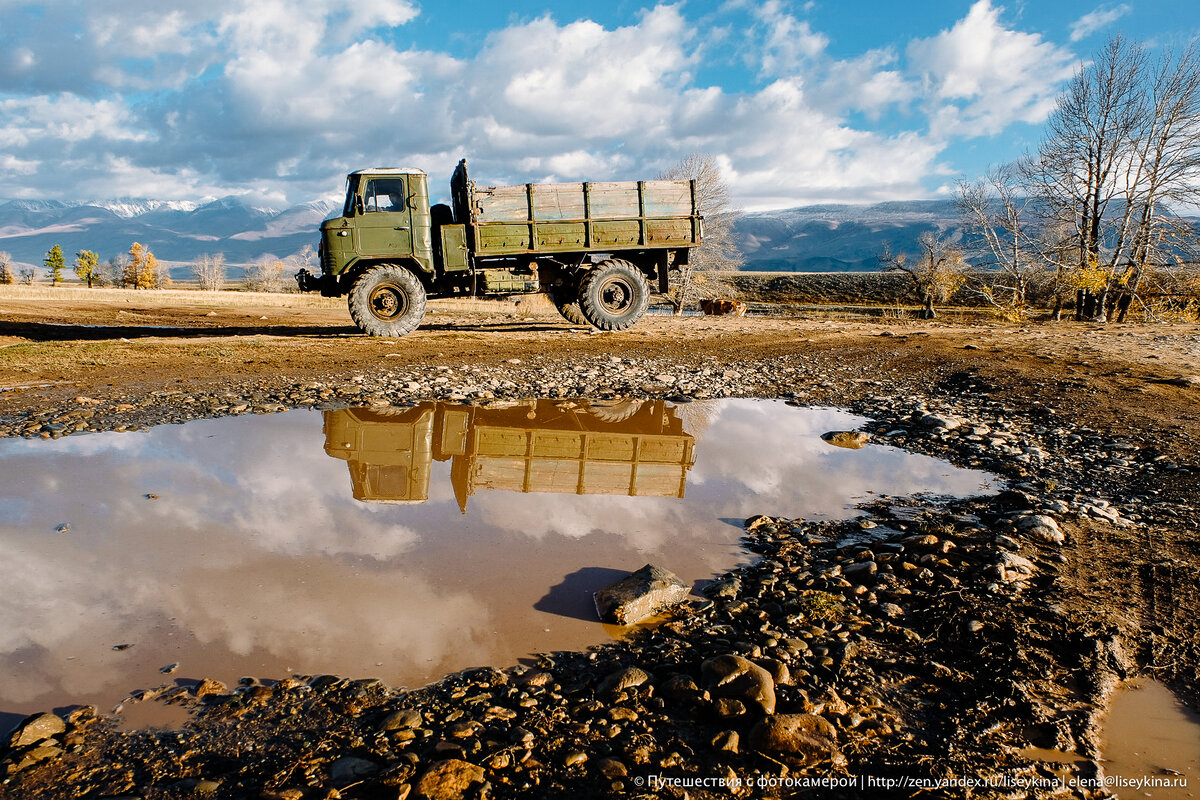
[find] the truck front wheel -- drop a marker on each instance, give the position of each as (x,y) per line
(613,295)
(387,300)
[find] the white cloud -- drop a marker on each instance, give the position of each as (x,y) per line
(981,76)
(277,100)
(1093,21)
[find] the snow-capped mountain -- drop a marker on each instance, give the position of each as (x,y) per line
(176,231)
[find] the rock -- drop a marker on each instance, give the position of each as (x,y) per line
(35,729)
(349,769)
(891,610)
(449,780)
(1043,527)
(209,686)
(1013,500)
(639,595)
(1186,381)
(611,768)
(739,678)
(860,571)
(939,422)
(1015,567)
(806,738)
(622,679)
(727,741)
(402,720)
(34,756)
(852,440)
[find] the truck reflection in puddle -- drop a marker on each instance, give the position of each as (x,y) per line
(627,447)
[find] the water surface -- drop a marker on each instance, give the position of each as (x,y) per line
(399,547)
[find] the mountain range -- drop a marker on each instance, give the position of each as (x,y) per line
(817,238)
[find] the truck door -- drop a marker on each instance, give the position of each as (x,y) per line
(385,227)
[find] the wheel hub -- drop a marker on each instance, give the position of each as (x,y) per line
(616,296)
(387,302)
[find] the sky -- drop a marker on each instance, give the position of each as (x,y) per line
(274,101)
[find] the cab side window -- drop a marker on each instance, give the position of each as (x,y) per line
(385,194)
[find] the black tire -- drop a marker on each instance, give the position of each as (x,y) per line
(387,300)
(571,312)
(613,295)
(567,304)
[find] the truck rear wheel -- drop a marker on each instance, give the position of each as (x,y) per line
(567,303)
(613,295)
(387,300)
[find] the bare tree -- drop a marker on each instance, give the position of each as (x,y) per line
(939,272)
(6,269)
(1123,141)
(998,208)
(209,271)
(719,250)
(1167,160)
(265,274)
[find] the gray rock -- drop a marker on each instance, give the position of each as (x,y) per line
(36,728)
(939,422)
(1043,527)
(739,678)
(639,595)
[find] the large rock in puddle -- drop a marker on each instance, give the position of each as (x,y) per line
(852,440)
(639,595)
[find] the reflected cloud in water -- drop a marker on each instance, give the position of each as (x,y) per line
(255,557)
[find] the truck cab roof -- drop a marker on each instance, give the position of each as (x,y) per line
(389,171)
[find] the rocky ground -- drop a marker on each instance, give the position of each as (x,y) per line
(915,652)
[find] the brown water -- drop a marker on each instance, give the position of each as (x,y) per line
(1152,744)
(237,546)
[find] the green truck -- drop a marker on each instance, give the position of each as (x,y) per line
(598,249)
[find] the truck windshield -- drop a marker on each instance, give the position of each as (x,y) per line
(351,191)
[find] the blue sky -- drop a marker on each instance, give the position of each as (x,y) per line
(274,101)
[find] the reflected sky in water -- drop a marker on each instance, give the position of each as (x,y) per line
(235,547)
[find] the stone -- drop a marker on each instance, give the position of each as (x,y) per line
(404,719)
(34,756)
(1043,527)
(349,769)
(35,729)
(851,440)
(860,571)
(739,678)
(209,686)
(939,422)
(806,738)
(451,779)
(891,610)
(639,595)
(611,768)
(622,679)
(1015,567)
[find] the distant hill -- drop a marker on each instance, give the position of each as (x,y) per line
(176,232)
(820,238)
(839,238)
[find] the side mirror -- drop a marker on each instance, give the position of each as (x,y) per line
(358,204)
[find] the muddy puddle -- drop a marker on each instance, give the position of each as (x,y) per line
(1152,744)
(398,545)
